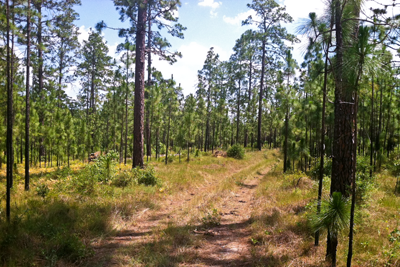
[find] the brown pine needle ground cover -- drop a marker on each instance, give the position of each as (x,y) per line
(212,211)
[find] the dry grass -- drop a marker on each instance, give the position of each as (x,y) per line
(278,230)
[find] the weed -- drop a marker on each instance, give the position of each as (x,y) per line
(42,190)
(239,180)
(211,219)
(393,253)
(171,159)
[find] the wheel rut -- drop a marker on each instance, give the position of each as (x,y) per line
(228,244)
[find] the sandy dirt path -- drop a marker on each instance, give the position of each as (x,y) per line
(227,244)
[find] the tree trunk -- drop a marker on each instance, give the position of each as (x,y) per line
(322,145)
(261,96)
(238,114)
(343,141)
(121,145)
(40,75)
(372,130)
(353,186)
(126,120)
(148,129)
(286,140)
(167,143)
(9,117)
(137,157)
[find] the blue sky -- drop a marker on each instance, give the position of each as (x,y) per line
(210,23)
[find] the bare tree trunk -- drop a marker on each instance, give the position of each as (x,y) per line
(126,118)
(286,140)
(261,96)
(353,186)
(137,157)
(238,114)
(322,145)
(372,130)
(148,128)
(9,117)
(167,142)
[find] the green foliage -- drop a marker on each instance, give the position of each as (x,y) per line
(104,167)
(62,173)
(393,253)
(363,164)
(42,190)
(123,179)
(162,148)
(364,186)
(211,219)
(47,232)
(236,151)
(334,215)
(146,176)
(327,168)
(85,182)
(197,153)
(206,154)
(171,159)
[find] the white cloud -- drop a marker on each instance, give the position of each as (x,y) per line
(112,49)
(213,5)
(83,34)
(237,20)
(185,69)
(298,9)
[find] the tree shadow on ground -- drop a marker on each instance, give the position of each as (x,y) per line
(177,245)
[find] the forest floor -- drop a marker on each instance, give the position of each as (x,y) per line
(211,211)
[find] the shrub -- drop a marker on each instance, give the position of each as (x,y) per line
(145,176)
(197,153)
(123,179)
(334,216)
(85,183)
(62,173)
(206,154)
(365,184)
(236,152)
(162,148)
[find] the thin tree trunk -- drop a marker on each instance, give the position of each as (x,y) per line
(286,140)
(322,147)
(121,145)
(372,130)
(167,143)
(126,120)
(9,149)
(148,129)
(353,186)
(238,114)
(261,96)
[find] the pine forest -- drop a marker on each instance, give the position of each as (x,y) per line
(283,152)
